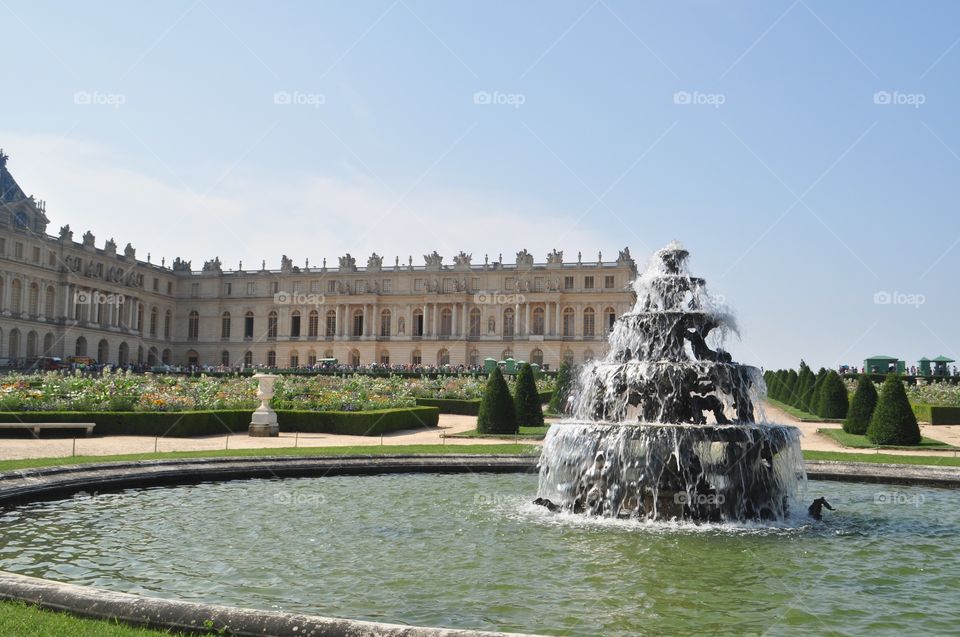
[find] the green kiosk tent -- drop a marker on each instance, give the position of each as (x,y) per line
(940,366)
(924,366)
(884,364)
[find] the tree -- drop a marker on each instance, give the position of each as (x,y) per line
(564,385)
(791,390)
(833,397)
(527,400)
(497,413)
(861,407)
(893,421)
(811,398)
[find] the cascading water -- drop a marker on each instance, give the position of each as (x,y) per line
(667,426)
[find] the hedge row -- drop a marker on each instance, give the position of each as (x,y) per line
(204,423)
(937,414)
(452,405)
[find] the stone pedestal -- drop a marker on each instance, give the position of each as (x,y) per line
(264,421)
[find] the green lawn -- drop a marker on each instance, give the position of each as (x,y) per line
(478,449)
(531,433)
(22,620)
(793,411)
(861,442)
(883,458)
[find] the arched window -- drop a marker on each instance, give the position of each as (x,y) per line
(272,325)
(385,317)
(31,344)
(508,316)
(415,358)
(588,323)
(48,344)
(123,354)
(103,351)
(225,327)
(443,357)
(33,301)
(610,318)
(355,358)
(294,359)
(248,325)
(539,321)
(313,324)
(154,320)
(311,358)
(225,358)
(417,329)
(271,359)
(81,346)
(167,324)
(475,323)
(536,356)
(331,327)
(140,317)
(295,324)
(357,324)
(13,351)
(16,296)
(568,322)
(49,304)
(193,326)
(1,294)
(446,322)
(248,359)
(384,357)
(167,357)
(474,358)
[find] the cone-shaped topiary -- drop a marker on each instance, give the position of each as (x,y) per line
(861,407)
(562,389)
(893,421)
(497,413)
(527,400)
(833,397)
(791,390)
(811,398)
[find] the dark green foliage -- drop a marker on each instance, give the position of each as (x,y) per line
(184,424)
(833,397)
(893,421)
(452,405)
(497,413)
(937,414)
(811,397)
(861,407)
(782,377)
(804,388)
(791,390)
(527,400)
(566,378)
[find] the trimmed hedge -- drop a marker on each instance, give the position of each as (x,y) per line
(861,407)
(497,412)
(893,421)
(937,414)
(452,405)
(184,424)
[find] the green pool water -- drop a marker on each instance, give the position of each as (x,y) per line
(470,551)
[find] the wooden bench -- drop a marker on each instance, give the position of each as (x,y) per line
(35,427)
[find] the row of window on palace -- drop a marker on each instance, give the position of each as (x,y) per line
(293,360)
(14,347)
(311,326)
(448,285)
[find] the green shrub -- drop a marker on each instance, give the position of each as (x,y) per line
(861,407)
(497,413)
(833,397)
(358,423)
(527,400)
(937,414)
(893,421)
(452,405)
(565,384)
(793,388)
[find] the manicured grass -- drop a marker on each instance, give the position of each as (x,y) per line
(23,620)
(793,411)
(530,433)
(478,449)
(883,458)
(861,442)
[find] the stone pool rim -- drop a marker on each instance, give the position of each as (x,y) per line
(45,483)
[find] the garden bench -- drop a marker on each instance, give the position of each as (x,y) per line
(35,427)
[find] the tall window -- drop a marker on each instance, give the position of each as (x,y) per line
(225,326)
(475,323)
(294,359)
(167,324)
(508,316)
(588,283)
(193,326)
(154,321)
(140,317)
(313,324)
(611,318)
(271,359)
(49,302)
(385,323)
(415,358)
(358,323)
(474,358)
(33,304)
(536,356)
(538,321)
(248,359)
(384,357)
(331,328)
(568,322)
(417,323)
(272,325)
(225,358)
(446,322)
(588,323)
(443,357)
(248,325)
(608,282)
(295,324)
(16,299)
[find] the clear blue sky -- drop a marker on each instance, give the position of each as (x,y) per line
(799,196)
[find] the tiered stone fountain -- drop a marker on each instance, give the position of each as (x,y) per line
(667,426)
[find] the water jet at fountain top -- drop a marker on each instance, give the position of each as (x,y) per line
(666,424)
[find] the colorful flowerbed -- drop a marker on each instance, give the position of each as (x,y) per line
(121,391)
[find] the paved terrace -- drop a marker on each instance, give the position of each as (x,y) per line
(47,447)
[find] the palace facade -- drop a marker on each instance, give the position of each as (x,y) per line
(61,297)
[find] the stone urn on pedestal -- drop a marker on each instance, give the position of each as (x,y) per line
(264,421)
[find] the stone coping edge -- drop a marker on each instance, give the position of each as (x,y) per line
(192,617)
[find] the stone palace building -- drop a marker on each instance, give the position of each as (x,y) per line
(61,297)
